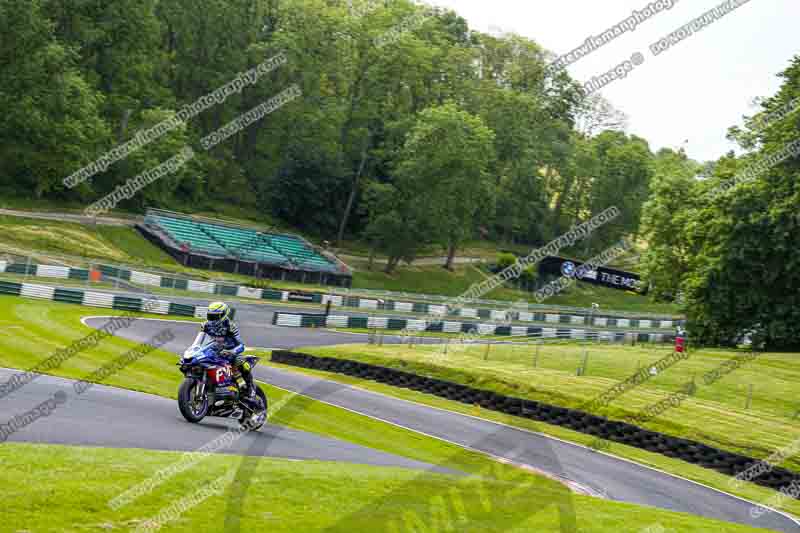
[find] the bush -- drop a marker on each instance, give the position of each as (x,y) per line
(529,275)
(505,260)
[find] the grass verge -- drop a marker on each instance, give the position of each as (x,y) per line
(73,484)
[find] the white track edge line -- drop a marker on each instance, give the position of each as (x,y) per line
(505,460)
(85,318)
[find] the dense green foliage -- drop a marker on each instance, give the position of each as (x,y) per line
(733,251)
(372,148)
(413,131)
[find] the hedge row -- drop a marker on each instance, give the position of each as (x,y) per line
(624,433)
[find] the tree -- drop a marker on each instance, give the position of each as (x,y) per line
(596,114)
(120,66)
(395,227)
(622,179)
(666,218)
(522,134)
(745,270)
(51,122)
(444,166)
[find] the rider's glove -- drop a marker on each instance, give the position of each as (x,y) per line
(227,353)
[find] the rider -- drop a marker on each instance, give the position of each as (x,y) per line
(220,326)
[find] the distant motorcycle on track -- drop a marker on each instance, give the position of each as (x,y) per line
(213,387)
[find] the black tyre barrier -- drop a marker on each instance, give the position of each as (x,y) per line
(690,451)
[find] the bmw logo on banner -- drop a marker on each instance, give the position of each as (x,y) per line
(605,276)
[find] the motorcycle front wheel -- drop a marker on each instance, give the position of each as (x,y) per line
(192,407)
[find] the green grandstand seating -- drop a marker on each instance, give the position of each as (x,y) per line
(185,232)
(245,243)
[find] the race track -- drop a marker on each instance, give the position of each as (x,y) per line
(108,417)
(117,418)
(256,331)
(614,478)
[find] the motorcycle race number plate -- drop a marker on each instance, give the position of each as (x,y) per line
(220,374)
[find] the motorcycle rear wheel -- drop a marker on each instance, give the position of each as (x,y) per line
(262,418)
(188,403)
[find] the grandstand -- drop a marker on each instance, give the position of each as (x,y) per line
(212,244)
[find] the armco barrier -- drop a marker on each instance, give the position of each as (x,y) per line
(305,320)
(102,299)
(357,302)
(690,451)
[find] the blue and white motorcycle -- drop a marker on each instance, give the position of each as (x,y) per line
(213,387)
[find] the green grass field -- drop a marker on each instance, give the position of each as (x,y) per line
(72,484)
(81,245)
(112,243)
(420,279)
(584,294)
(716,415)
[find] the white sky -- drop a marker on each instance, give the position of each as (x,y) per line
(694,91)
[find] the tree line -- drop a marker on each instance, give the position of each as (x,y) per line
(413,129)
(723,237)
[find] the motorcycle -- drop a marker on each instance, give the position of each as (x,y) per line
(213,387)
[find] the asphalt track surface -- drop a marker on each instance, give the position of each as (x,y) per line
(611,477)
(116,418)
